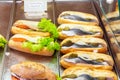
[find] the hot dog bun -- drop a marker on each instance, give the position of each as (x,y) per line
(17,44)
(77,18)
(70,30)
(87,59)
(86,73)
(31,71)
(28,28)
(83,43)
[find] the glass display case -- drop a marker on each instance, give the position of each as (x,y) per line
(109,14)
(13,10)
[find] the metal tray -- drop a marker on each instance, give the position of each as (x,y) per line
(11,56)
(55,7)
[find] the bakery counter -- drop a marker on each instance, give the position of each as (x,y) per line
(80,42)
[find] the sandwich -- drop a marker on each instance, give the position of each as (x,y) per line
(115,27)
(111,17)
(29,70)
(77,18)
(87,59)
(70,30)
(2,41)
(85,73)
(83,43)
(43,28)
(33,44)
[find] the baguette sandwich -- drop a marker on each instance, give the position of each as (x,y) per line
(77,18)
(43,28)
(70,30)
(31,71)
(2,41)
(115,26)
(33,44)
(111,17)
(87,59)
(85,73)
(83,43)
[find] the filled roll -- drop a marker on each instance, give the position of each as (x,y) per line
(70,30)
(31,71)
(87,59)
(28,27)
(77,18)
(33,44)
(83,73)
(115,27)
(83,43)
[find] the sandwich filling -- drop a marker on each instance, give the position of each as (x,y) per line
(76,17)
(74,58)
(72,32)
(70,44)
(113,19)
(84,77)
(17,77)
(117,31)
(36,43)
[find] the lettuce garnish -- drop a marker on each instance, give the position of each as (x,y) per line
(2,41)
(47,42)
(48,26)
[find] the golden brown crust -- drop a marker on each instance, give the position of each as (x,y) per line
(92,56)
(33,24)
(90,28)
(81,14)
(18,46)
(32,70)
(90,71)
(84,39)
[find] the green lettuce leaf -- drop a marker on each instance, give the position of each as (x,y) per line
(2,41)
(48,26)
(47,42)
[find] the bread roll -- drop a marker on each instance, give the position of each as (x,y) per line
(83,43)
(29,70)
(85,73)
(28,27)
(77,18)
(87,59)
(16,42)
(70,30)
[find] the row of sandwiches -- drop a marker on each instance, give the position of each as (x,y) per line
(83,47)
(81,44)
